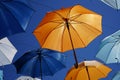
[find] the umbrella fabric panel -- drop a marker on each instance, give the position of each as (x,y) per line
(113,3)
(117,76)
(14,17)
(7,51)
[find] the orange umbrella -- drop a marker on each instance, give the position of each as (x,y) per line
(68,28)
(88,70)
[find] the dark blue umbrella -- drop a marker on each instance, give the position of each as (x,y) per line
(14,17)
(39,63)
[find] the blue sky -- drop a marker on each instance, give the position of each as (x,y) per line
(26,41)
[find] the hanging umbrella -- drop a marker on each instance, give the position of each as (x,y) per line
(110,48)
(27,78)
(39,63)
(88,70)
(117,76)
(14,17)
(7,51)
(68,28)
(112,3)
(1,75)
(24,78)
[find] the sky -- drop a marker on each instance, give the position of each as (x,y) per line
(26,41)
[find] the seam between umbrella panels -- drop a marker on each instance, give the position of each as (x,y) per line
(5,56)
(47,65)
(78,34)
(48,22)
(50,33)
(68,15)
(101,72)
(75,17)
(109,52)
(12,16)
(88,25)
(62,38)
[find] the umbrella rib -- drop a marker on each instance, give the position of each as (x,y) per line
(100,71)
(75,17)
(78,35)
(109,3)
(5,56)
(69,12)
(49,22)
(88,25)
(62,38)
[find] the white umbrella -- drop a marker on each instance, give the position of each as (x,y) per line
(113,3)
(7,51)
(27,78)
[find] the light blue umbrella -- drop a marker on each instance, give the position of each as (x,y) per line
(1,75)
(117,76)
(110,49)
(112,3)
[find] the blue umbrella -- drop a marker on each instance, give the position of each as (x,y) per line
(117,76)
(14,17)
(39,63)
(110,48)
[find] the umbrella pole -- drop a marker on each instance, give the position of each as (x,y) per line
(87,72)
(74,53)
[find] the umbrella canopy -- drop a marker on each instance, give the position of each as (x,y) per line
(1,75)
(117,76)
(14,17)
(110,49)
(53,31)
(27,78)
(7,51)
(112,3)
(88,70)
(24,78)
(39,63)
(68,28)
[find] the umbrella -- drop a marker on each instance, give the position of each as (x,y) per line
(112,3)
(117,76)
(110,48)
(7,51)
(88,70)
(24,78)
(27,78)
(39,63)
(1,75)
(68,28)
(14,17)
